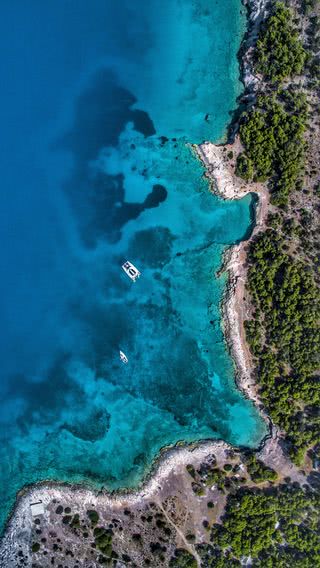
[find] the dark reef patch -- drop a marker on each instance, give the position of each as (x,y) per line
(152,247)
(157,196)
(92,428)
(101,114)
(43,396)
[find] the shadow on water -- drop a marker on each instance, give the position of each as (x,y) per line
(101,113)
(41,396)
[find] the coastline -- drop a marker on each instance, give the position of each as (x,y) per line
(223,182)
(172,462)
(219,169)
(167,466)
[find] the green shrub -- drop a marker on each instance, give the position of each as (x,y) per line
(244,167)
(93,516)
(75,522)
(259,472)
(190,469)
(183,559)
(103,540)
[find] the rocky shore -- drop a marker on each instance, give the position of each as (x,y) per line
(223,181)
(169,468)
(219,161)
(220,168)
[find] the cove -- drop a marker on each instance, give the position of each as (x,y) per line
(99,106)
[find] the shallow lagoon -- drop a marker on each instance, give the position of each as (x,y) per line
(99,105)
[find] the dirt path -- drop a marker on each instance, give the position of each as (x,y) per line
(187,544)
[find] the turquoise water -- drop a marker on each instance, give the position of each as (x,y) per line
(99,105)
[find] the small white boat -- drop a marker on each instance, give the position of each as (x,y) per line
(131,270)
(123,357)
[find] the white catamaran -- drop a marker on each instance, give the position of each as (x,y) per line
(123,357)
(131,270)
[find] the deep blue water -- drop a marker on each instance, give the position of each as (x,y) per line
(98,102)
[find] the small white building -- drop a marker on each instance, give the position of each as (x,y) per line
(37,508)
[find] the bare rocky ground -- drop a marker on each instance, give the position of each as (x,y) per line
(80,528)
(140,532)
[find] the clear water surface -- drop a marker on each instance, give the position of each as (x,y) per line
(98,102)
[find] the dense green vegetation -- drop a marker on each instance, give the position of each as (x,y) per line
(103,540)
(245,167)
(258,471)
(272,135)
(213,557)
(276,527)
(285,338)
(272,132)
(183,559)
(280,526)
(93,516)
(279,52)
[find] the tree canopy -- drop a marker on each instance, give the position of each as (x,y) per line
(279,52)
(274,528)
(272,134)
